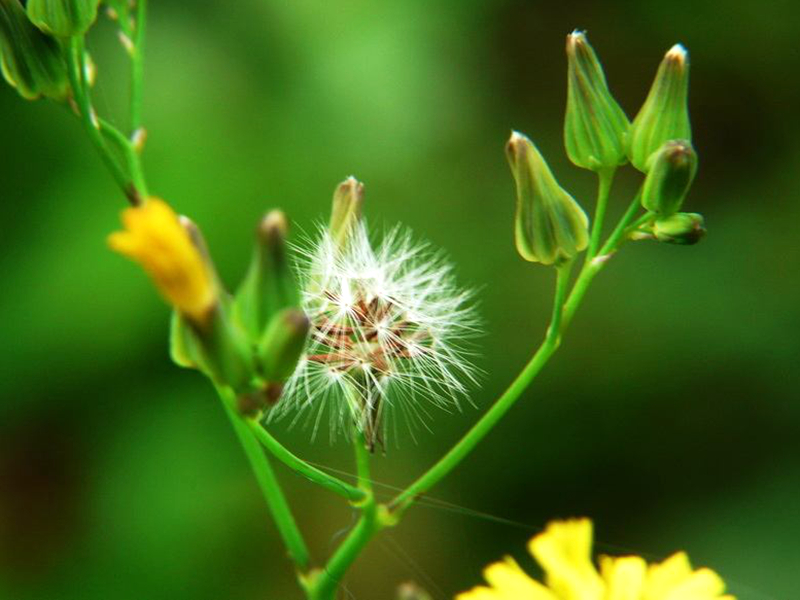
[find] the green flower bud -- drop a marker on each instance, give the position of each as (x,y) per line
(269,285)
(664,115)
(684,229)
(595,127)
(63,18)
(31,61)
(348,200)
(670,173)
(550,225)
(217,346)
(282,344)
(411,591)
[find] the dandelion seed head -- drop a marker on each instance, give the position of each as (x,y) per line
(389,335)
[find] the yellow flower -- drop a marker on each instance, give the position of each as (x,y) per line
(155,238)
(564,551)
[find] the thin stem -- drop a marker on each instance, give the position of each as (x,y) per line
(328,580)
(605,179)
(273,494)
(501,406)
(137,65)
(132,159)
(592,268)
(76,69)
(362,464)
(298,465)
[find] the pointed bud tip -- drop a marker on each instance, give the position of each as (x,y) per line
(576,38)
(273,224)
(677,53)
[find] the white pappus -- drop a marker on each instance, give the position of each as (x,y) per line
(388,332)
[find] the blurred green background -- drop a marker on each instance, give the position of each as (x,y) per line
(670,416)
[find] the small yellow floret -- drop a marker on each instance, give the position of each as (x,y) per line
(155,238)
(564,551)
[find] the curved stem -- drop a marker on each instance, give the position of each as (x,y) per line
(76,68)
(605,179)
(273,494)
(327,581)
(132,159)
(501,406)
(137,65)
(279,451)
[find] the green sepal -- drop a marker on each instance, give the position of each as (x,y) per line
(282,344)
(595,126)
(550,226)
(63,18)
(31,61)
(671,171)
(664,115)
(683,229)
(269,285)
(183,345)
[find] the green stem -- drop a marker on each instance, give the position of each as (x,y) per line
(501,406)
(337,486)
(132,158)
(76,68)
(593,267)
(327,581)
(605,179)
(276,501)
(137,65)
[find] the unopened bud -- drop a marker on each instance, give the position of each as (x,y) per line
(550,225)
(348,200)
(595,127)
(411,591)
(63,18)
(684,229)
(31,61)
(282,344)
(665,113)
(670,174)
(269,285)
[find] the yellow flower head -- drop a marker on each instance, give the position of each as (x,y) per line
(564,551)
(155,238)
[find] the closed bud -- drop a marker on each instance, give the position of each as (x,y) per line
(282,344)
(269,285)
(550,225)
(215,344)
(348,200)
(31,61)
(595,127)
(671,171)
(684,229)
(665,113)
(63,18)
(411,591)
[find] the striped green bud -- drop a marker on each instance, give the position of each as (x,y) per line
(550,225)
(664,115)
(684,229)
(595,127)
(671,171)
(282,344)
(348,200)
(31,61)
(269,285)
(63,18)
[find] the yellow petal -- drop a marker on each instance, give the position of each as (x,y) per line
(624,577)
(564,550)
(510,580)
(155,238)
